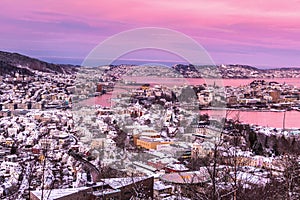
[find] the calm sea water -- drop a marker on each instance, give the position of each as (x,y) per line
(266,118)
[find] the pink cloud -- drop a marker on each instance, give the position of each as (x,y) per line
(243,24)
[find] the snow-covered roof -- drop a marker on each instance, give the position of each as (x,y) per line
(57,193)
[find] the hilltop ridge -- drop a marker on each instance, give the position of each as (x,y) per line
(11,63)
(235,71)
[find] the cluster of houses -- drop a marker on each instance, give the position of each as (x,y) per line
(54,145)
(36,134)
(43,91)
(152,150)
(264,95)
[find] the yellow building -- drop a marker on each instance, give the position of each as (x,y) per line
(9,141)
(275,94)
(202,149)
(150,134)
(150,143)
(145,87)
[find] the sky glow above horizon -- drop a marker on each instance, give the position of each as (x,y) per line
(257,33)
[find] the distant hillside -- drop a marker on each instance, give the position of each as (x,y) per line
(11,70)
(236,71)
(14,62)
(243,66)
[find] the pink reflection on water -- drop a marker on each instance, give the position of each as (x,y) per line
(267,118)
(103,100)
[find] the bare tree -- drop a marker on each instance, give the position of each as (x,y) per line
(292,177)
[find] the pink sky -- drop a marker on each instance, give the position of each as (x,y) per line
(258,33)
